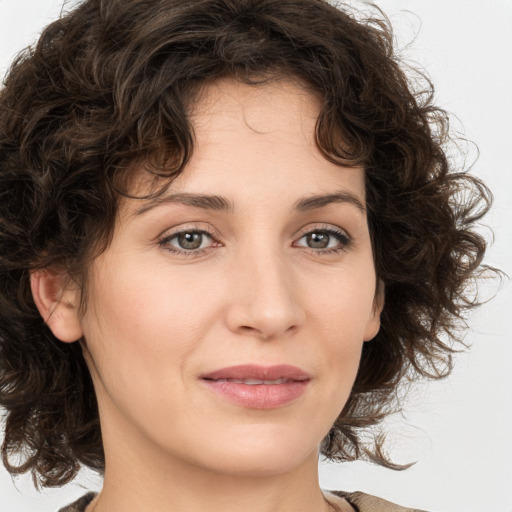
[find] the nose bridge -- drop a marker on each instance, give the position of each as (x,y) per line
(266,303)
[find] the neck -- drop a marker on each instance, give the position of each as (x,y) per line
(142,478)
(180,488)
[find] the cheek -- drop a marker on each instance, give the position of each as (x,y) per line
(341,315)
(345,305)
(135,299)
(142,329)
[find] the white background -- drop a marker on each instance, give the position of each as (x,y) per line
(460,428)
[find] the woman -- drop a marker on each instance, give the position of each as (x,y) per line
(229,230)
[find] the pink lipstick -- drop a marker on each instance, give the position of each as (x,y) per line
(258,387)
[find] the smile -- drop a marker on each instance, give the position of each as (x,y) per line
(256,382)
(258,387)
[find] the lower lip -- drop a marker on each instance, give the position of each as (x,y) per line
(259,396)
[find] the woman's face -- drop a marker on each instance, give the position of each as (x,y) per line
(225,322)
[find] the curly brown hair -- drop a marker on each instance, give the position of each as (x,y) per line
(109,84)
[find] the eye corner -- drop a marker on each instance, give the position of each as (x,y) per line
(188,241)
(324,239)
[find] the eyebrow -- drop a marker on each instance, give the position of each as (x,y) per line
(221,204)
(205,202)
(319,201)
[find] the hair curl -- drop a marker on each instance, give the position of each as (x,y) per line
(109,84)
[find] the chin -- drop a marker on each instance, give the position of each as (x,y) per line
(260,455)
(261,465)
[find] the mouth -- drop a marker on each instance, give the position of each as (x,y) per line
(258,387)
(254,382)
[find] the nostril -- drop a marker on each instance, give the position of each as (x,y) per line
(266,333)
(248,328)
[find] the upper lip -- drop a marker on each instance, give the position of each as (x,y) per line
(253,371)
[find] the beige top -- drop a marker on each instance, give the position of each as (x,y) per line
(359,501)
(362,502)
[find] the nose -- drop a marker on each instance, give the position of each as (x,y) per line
(265,302)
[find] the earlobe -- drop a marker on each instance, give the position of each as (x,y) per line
(57,301)
(373,326)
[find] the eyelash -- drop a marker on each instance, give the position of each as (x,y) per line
(165,242)
(341,236)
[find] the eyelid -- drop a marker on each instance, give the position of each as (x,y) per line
(185,227)
(321,227)
(343,236)
(167,235)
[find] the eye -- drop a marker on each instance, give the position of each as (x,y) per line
(187,241)
(324,239)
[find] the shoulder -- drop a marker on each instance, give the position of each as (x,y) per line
(365,503)
(80,504)
(361,501)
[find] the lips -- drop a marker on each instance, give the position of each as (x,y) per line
(258,387)
(254,382)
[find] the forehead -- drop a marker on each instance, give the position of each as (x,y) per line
(263,108)
(261,136)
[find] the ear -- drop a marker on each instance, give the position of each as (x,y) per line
(373,325)
(57,298)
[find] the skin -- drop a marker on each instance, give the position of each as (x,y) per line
(159,316)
